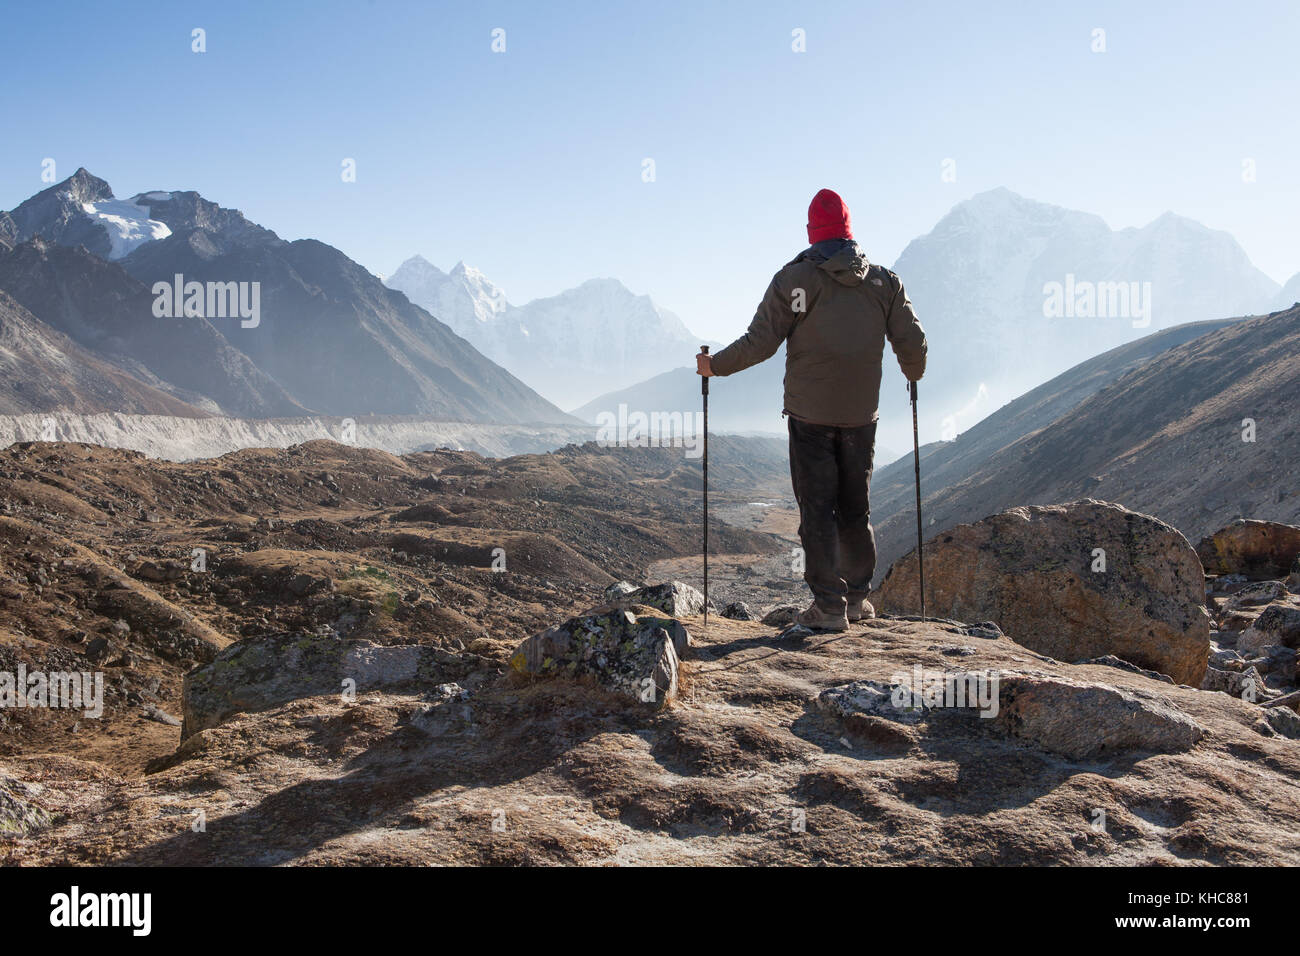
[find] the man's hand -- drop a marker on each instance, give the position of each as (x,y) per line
(703,365)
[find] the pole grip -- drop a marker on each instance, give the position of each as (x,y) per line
(704,379)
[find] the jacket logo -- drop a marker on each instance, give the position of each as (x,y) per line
(877,282)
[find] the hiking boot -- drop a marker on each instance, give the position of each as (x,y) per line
(814,618)
(859,610)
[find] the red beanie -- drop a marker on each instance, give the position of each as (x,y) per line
(828,217)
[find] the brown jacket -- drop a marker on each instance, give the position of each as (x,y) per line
(834,310)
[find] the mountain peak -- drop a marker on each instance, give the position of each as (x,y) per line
(82,187)
(461,270)
(418,265)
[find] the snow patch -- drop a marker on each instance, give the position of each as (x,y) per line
(129,226)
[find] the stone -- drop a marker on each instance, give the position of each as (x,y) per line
(1247,683)
(1084,721)
(871,698)
(19,814)
(618,589)
(674,597)
(258,674)
(1256,549)
(1278,624)
(1030,570)
(781,615)
(98,649)
(626,654)
(795,632)
(739,611)
(1283,721)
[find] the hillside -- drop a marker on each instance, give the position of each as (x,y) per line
(945,464)
(40,368)
(1165,438)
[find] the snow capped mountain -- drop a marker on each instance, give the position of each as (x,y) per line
(570,347)
(1012,292)
(81,210)
(321,335)
(464,298)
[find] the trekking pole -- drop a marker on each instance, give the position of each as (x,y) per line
(916,451)
(704,391)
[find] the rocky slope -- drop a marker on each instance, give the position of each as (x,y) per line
(109,313)
(40,368)
(1165,438)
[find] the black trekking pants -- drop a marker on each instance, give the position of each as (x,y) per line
(830,468)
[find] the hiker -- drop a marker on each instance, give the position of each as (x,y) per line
(834,310)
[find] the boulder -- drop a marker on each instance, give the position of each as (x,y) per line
(1283,722)
(1257,549)
(624,653)
(871,698)
(1085,721)
(739,611)
(1256,595)
(258,674)
(781,615)
(1030,570)
(1247,683)
(160,571)
(1277,624)
(674,598)
(618,589)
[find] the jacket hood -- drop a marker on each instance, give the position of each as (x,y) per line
(843,259)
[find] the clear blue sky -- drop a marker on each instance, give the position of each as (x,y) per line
(527,164)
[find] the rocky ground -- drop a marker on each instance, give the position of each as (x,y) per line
(358,685)
(98,546)
(759,760)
